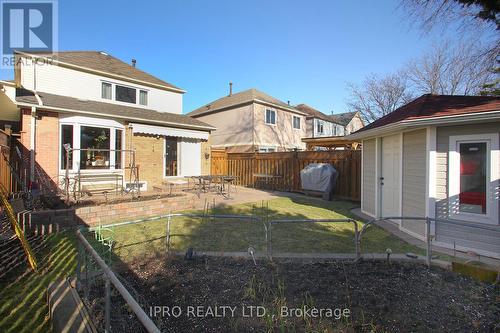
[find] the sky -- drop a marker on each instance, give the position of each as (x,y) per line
(297,51)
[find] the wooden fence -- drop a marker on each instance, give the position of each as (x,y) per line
(7,180)
(287,166)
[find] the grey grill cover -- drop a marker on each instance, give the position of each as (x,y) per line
(319,177)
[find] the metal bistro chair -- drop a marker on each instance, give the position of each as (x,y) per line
(106,237)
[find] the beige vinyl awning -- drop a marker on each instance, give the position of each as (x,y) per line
(169,131)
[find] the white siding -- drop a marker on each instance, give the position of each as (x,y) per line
(464,238)
(414,179)
(368,190)
(68,82)
(329,128)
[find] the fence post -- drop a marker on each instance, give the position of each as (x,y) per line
(107,306)
(168,232)
(356,239)
(269,241)
(428,240)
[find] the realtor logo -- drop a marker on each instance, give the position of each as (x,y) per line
(28,26)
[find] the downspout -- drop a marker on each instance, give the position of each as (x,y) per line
(33,125)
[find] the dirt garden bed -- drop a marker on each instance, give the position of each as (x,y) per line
(378,297)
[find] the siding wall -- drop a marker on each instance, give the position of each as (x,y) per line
(463,237)
(368,190)
(68,82)
(414,179)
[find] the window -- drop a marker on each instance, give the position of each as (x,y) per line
(473,178)
(106,90)
(66,138)
(143,97)
(267,149)
(118,147)
(170,156)
(125,94)
(95,145)
(319,127)
(270,117)
(296,122)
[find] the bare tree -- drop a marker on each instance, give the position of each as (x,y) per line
(460,70)
(378,96)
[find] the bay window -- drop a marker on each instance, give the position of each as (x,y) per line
(95,147)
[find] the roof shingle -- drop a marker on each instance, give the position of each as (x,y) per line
(313,113)
(111,110)
(103,62)
(246,96)
(431,106)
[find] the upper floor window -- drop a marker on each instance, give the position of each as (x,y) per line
(143,97)
(319,127)
(270,117)
(106,90)
(125,94)
(296,122)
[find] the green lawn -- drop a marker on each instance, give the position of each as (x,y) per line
(24,293)
(232,235)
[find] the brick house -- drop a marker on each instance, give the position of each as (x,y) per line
(105,109)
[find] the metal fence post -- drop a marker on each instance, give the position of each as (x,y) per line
(168,232)
(356,240)
(269,241)
(107,306)
(428,239)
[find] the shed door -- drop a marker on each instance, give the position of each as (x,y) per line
(390,175)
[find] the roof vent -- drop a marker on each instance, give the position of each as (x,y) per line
(230,88)
(134,62)
(208,106)
(103,53)
(288,102)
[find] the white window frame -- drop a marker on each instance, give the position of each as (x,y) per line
(492,171)
(275,117)
(320,123)
(78,122)
(111,86)
(267,149)
(139,97)
(293,122)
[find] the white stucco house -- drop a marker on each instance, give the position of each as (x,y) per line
(437,157)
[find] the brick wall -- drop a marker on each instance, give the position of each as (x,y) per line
(148,156)
(46,140)
(49,221)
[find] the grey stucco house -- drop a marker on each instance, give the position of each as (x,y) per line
(438,156)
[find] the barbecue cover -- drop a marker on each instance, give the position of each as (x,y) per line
(320,177)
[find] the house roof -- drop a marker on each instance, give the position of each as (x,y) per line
(70,104)
(243,97)
(432,106)
(313,113)
(103,62)
(343,118)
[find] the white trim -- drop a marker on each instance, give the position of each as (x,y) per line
(378,196)
(401,138)
(431,175)
(362,172)
(493,157)
(275,117)
(168,131)
(366,213)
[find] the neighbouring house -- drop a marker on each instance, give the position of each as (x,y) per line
(319,124)
(251,120)
(437,157)
(112,114)
(351,121)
